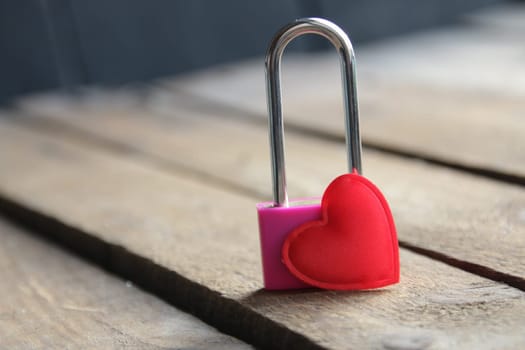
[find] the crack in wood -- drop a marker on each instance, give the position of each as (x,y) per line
(227,315)
(228,111)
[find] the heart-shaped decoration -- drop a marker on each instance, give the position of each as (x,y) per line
(353,246)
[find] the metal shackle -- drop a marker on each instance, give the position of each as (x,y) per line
(343,45)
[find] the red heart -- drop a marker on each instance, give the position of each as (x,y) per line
(353,246)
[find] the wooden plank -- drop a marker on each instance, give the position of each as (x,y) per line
(197,243)
(52,300)
(437,95)
(437,210)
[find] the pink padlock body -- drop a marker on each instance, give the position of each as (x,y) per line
(275,224)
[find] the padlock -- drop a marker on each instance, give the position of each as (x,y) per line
(348,240)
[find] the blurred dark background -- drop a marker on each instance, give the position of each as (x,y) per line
(49,44)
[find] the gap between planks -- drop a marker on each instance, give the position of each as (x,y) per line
(101,205)
(52,300)
(236,113)
(162,282)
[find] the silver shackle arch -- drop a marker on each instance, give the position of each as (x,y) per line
(344,48)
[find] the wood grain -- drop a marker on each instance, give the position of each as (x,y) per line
(52,300)
(197,243)
(437,95)
(468,221)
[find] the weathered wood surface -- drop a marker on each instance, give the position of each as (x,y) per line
(52,300)
(470,221)
(453,95)
(197,243)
